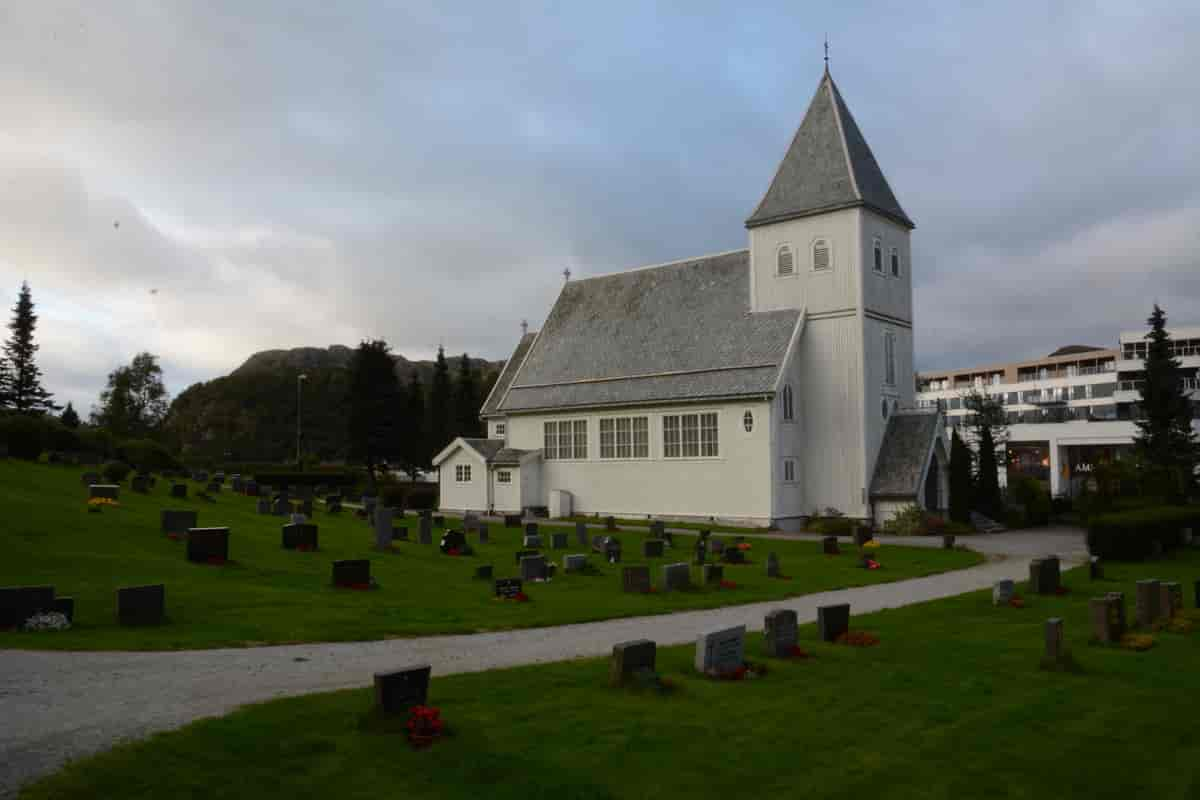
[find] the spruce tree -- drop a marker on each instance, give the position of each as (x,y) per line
(439,404)
(69,418)
(23,391)
(373,403)
(1165,443)
(466,399)
(414,445)
(961,489)
(988,433)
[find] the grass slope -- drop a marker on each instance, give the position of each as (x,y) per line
(951,704)
(271,595)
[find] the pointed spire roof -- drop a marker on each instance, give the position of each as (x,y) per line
(828,166)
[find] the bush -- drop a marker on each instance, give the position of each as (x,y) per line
(281,478)
(116,471)
(420,497)
(393,496)
(23,435)
(831,526)
(912,520)
(1130,535)
(147,455)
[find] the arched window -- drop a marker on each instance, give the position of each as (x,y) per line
(748,420)
(878,261)
(821,254)
(788,408)
(894,257)
(785,261)
(889,358)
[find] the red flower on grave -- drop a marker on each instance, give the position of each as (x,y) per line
(424,725)
(858,639)
(305,548)
(1061,590)
(173,537)
(453,551)
(1016,601)
(795,651)
(521,597)
(217,561)
(872,564)
(744,546)
(361,587)
(650,590)
(728,584)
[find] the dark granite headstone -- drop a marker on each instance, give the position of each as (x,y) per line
(713,573)
(1055,648)
(397,692)
(453,540)
(533,568)
(439,522)
(779,632)
(384,531)
(142,605)
(575,563)
(484,572)
(721,652)
(177,521)
(1045,575)
(658,529)
(140,483)
(66,607)
(948,541)
(652,548)
(108,491)
(833,621)
(207,545)
(630,657)
(352,572)
(508,588)
(19,603)
(676,577)
(425,530)
(861,534)
(635,579)
(250,488)
(610,523)
(558,541)
(531,529)
(300,534)
(481,528)
(178,490)
(1095,568)
(524,553)
(581,534)
(772,565)
(829,546)
(281,507)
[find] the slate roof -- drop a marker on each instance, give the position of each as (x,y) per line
(827,166)
(903,455)
(494,451)
(679,331)
(506,375)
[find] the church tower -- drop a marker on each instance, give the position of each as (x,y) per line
(830,238)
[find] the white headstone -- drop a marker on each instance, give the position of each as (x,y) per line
(721,651)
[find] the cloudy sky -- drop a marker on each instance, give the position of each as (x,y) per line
(205,180)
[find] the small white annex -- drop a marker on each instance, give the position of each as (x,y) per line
(759,385)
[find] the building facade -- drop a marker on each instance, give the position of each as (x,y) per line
(756,385)
(1066,412)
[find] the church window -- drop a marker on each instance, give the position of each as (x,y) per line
(821,255)
(889,358)
(885,408)
(564,439)
(789,411)
(878,256)
(690,436)
(624,437)
(462,473)
(671,437)
(894,256)
(708,435)
(499,428)
(503,476)
(581,438)
(785,260)
(550,441)
(748,420)
(789,470)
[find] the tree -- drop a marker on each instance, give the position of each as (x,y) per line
(70,417)
(439,404)
(414,453)
(1165,442)
(466,400)
(21,384)
(373,402)
(988,433)
(134,404)
(961,488)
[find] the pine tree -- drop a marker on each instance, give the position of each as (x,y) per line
(988,432)
(23,391)
(70,417)
(466,400)
(961,489)
(414,446)
(373,402)
(439,404)
(1165,443)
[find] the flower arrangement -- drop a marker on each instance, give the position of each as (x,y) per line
(305,547)
(1137,641)
(747,671)
(174,537)
(871,563)
(858,639)
(216,561)
(795,651)
(650,590)
(1016,601)
(728,584)
(1061,590)
(102,501)
(871,544)
(47,621)
(744,546)
(424,725)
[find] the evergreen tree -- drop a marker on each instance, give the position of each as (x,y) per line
(961,489)
(988,432)
(466,400)
(22,382)
(439,405)
(414,447)
(373,402)
(69,417)
(134,404)
(1165,443)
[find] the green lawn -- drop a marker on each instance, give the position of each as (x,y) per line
(271,595)
(951,704)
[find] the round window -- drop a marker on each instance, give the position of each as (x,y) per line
(885,408)
(748,421)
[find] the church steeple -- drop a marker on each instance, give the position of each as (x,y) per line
(828,166)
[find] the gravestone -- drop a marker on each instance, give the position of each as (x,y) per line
(508,588)
(829,546)
(453,540)
(1095,568)
(772,565)
(612,550)
(142,605)
(1170,600)
(439,521)
(262,506)
(558,541)
(669,538)
(581,534)
(481,528)
(140,483)
(1105,618)
(250,488)
(383,528)
(652,548)
(713,573)
(779,632)
(531,529)
(531,541)
(352,572)
(533,568)
(66,607)
(1044,575)
(297,518)
(88,478)
(105,491)
(861,535)
(734,555)
(425,530)
(512,520)
(1055,648)
(19,603)
(574,563)
(1002,592)
(635,579)
(484,572)
(398,691)
(948,541)
(676,576)
(630,657)
(833,621)
(214,487)
(300,534)
(658,529)
(1118,599)
(174,521)
(207,544)
(524,554)
(721,651)
(610,523)
(701,549)
(237,484)
(178,490)
(280,507)
(716,547)
(1149,592)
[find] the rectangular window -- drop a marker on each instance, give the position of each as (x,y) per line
(499,428)
(581,438)
(691,436)
(1013,398)
(671,437)
(878,263)
(789,470)
(708,435)
(565,450)
(889,354)
(608,443)
(503,476)
(641,437)
(550,441)
(624,437)
(820,254)
(895,258)
(462,473)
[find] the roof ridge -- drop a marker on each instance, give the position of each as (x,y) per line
(674,263)
(834,97)
(642,376)
(787,150)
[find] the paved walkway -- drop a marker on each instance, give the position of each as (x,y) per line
(56,706)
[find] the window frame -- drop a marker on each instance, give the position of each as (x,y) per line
(748,421)
(779,251)
(812,254)
(877,255)
(789,466)
(561,436)
(462,473)
(691,436)
(627,440)
(894,261)
(788,401)
(501,429)
(889,358)
(504,476)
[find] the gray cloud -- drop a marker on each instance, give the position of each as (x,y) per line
(305,173)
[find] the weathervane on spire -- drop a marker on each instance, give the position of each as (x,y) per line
(566,273)
(827,54)
(524,327)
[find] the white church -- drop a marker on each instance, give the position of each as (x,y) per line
(758,386)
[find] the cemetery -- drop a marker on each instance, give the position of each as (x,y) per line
(219,559)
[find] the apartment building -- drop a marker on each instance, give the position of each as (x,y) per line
(1066,412)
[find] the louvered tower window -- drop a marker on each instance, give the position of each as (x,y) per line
(821,254)
(785,260)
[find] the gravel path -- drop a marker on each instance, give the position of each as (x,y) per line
(57,706)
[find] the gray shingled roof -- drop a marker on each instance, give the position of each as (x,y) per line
(494,451)
(902,456)
(827,166)
(506,375)
(509,455)
(677,331)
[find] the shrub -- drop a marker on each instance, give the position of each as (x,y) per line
(419,498)
(147,455)
(116,471)
(25,436)
(393,496)
(909,521)
(1130,535)
(831,526)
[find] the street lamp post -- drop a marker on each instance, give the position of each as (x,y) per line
(300,379)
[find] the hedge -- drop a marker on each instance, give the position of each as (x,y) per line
(340,478)
(1129,535)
